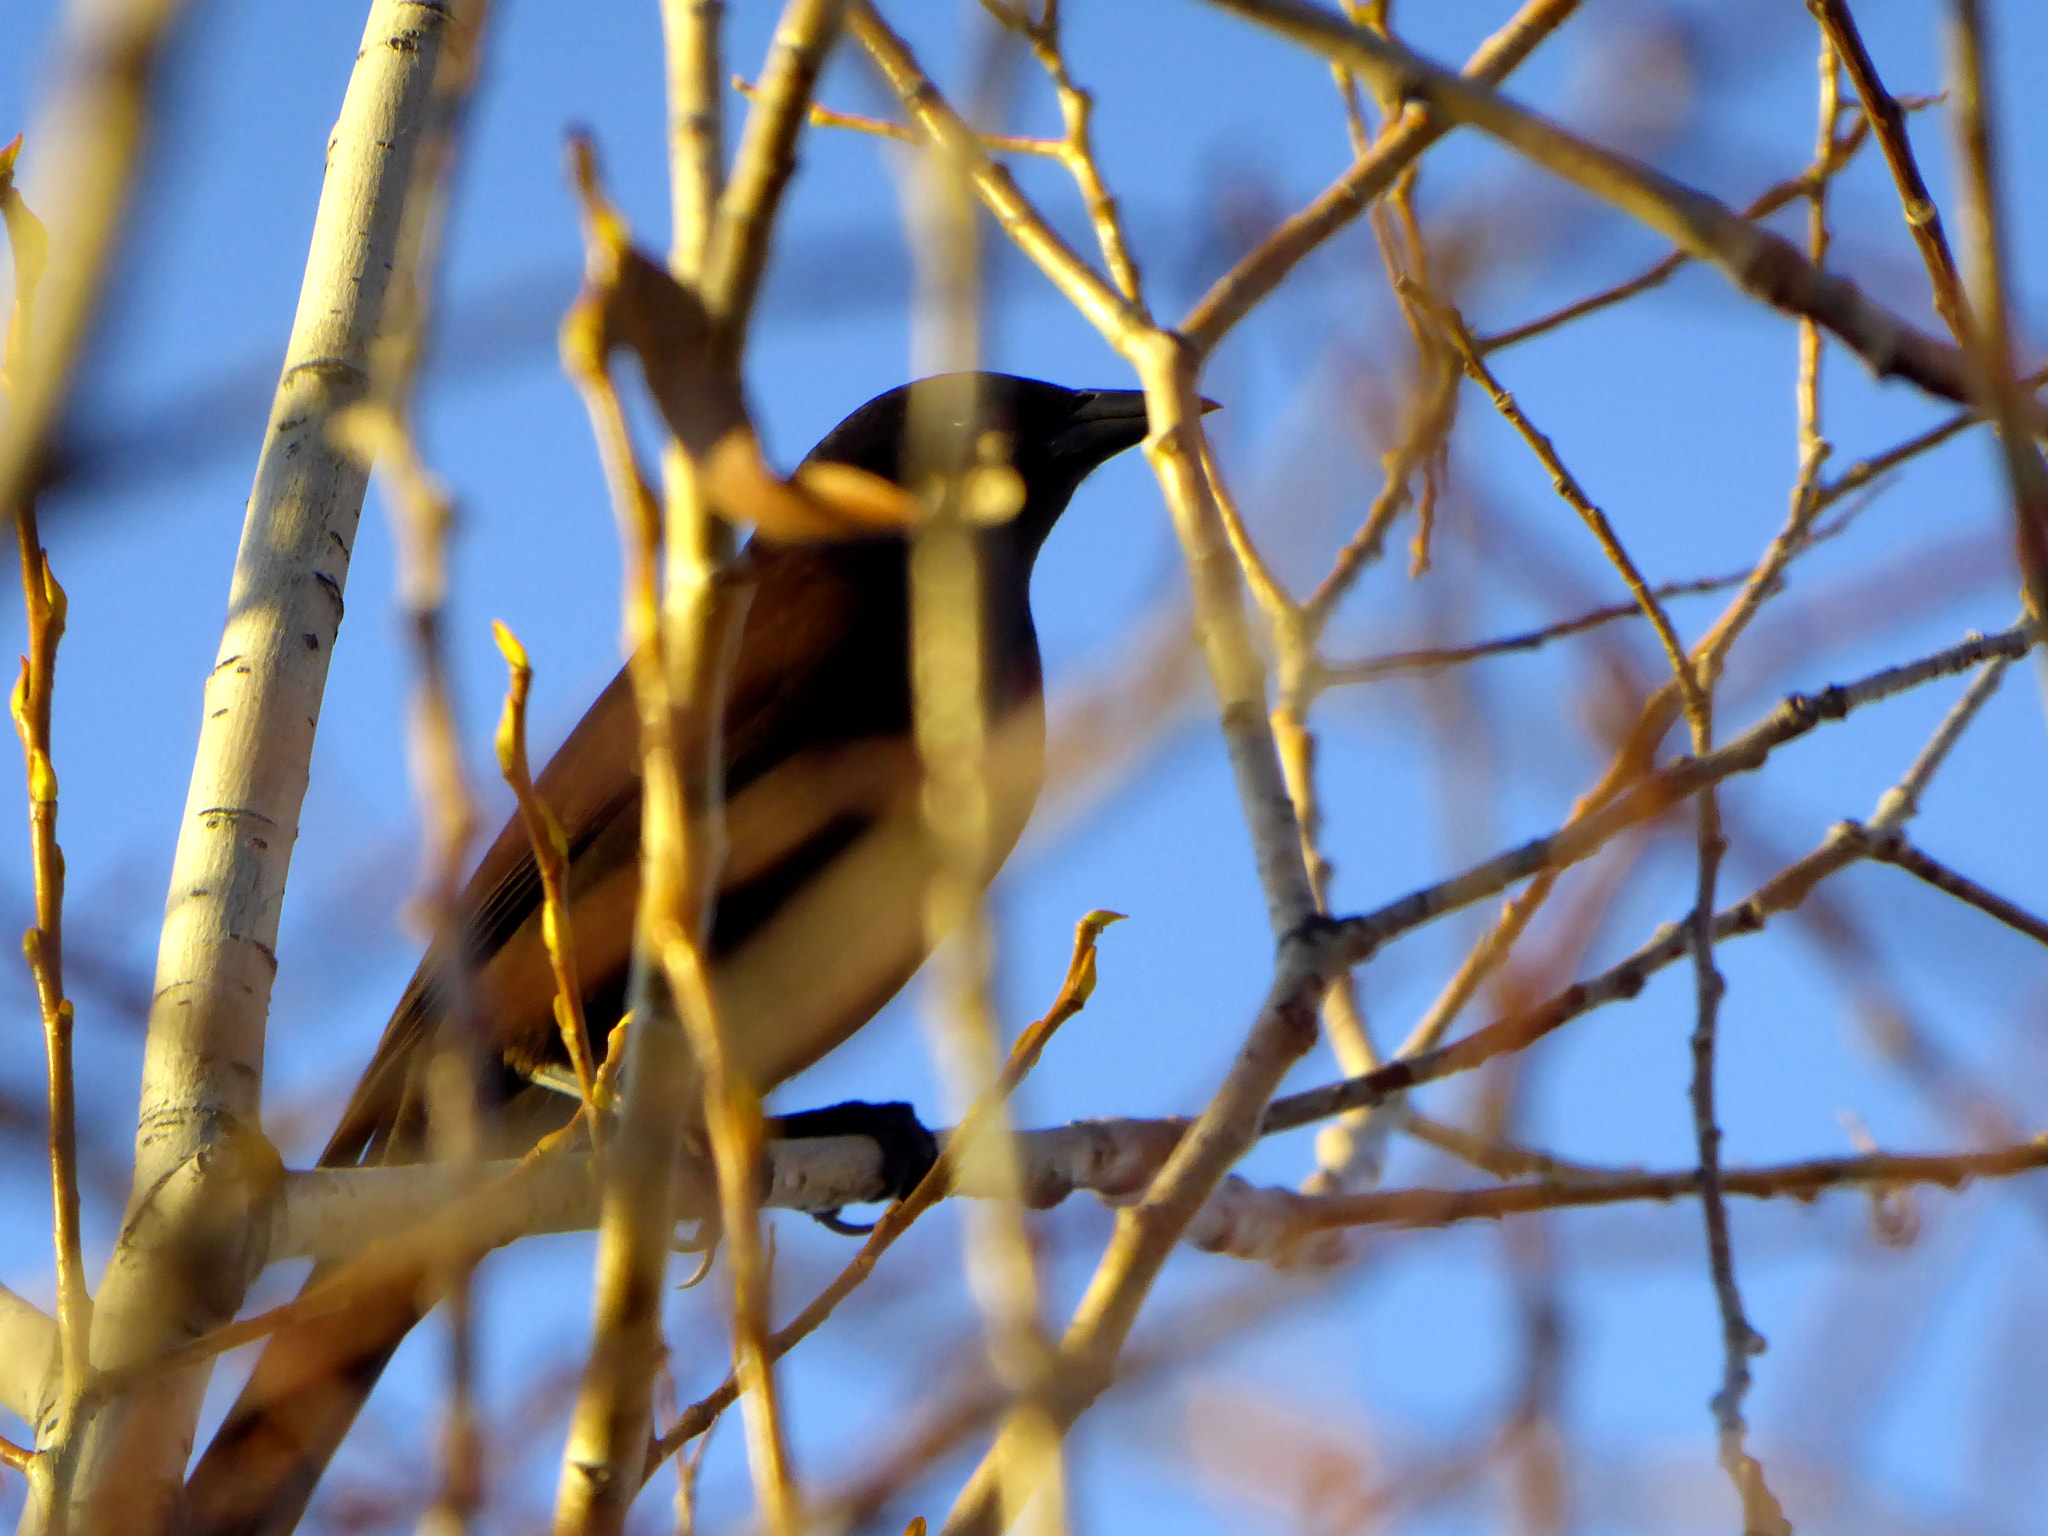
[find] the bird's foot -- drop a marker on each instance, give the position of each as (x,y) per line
(908,1148)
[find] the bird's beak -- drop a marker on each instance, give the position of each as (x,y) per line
(1103,423)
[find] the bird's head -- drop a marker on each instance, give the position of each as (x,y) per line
(1033,442)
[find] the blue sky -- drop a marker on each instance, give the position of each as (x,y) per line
(1674,410)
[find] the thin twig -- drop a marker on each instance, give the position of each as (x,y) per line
(1740,1342)
(1883,112)
(1896,850)
(1388,664)
(1864,471)
(1496,1157)
(1097,300)
(1759,263)
(1796,715)
(1658,273)
(822,116)
(1783,892)
(1077,153)
(1572,493)
(43,945)
(45,606)
(1240,290)
(1414,1208)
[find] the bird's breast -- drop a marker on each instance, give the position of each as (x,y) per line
(816,942)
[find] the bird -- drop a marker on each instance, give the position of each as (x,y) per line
(818,916)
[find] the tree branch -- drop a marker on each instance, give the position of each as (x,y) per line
(1761,264)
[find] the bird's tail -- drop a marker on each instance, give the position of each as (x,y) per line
(259,1473)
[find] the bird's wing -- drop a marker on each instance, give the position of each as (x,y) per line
(784,682)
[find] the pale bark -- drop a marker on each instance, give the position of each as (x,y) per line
(28,1355)
(203,1175)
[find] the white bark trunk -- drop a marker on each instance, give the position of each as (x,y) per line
(203,1175)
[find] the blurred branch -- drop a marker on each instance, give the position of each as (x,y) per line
(680,644)
(1285,1026)
(955,640)
(676,657)
(89,137)
(737,253)
(383,429)
(1989,340)
(1498,1158)
(691,33)
(704,607)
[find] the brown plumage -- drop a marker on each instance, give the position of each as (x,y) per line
(818,916)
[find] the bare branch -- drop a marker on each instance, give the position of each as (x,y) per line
(1990,342)
(1240,290)
(1895,849)
(1759,263)
(1882,111)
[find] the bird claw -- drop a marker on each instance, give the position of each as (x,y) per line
(832,1222)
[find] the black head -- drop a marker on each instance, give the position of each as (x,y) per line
(1053,437)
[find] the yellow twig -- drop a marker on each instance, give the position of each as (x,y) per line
(551,858)
(43,944)
(1075,990)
